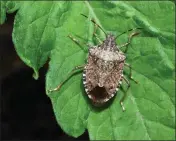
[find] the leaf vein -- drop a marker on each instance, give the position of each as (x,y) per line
(140,116)
(155,83)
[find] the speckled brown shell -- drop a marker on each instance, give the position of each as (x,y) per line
(103,73)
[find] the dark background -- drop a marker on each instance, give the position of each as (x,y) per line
(26,111)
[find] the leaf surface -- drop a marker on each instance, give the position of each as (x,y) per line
(150,110)
(8,7)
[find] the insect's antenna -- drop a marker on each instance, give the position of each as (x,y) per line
(127,31)
(92,20)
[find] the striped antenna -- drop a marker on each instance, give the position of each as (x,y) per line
(92,20)
(127,31)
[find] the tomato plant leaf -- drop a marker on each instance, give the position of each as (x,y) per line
(41,30)
(8,7)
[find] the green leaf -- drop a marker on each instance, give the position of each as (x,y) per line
(34,33)
(41,30)
(9,7)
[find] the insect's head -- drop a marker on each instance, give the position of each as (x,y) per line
(109,43)
(110,37)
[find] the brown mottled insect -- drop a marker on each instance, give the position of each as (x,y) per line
(103,73)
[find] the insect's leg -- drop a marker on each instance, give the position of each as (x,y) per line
(129,39)
(126,80)
(69,75)
(78,43)
(95,28)
(122,99)
(100,41)
(124,96)
(74,40)
(121,103)
(128,65)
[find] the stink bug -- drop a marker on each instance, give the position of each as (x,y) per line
(103,73)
